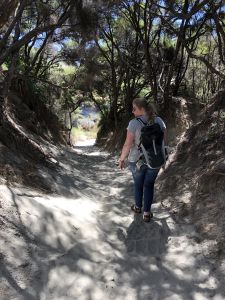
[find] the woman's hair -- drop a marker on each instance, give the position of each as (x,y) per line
(149,108)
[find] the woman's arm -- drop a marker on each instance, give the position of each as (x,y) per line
(126,149)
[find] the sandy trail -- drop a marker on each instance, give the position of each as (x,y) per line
(82,242)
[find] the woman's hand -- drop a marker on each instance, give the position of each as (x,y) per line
(126,149)
(121,163)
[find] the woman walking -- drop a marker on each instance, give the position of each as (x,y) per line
(144,177)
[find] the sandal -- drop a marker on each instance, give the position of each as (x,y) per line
(147,218)
(136,209)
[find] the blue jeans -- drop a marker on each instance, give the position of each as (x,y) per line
(144,180)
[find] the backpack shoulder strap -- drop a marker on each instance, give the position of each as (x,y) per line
(143,124)
(141,121)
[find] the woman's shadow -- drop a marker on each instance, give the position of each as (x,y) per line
(147,239)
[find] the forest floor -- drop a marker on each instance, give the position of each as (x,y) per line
(81,241)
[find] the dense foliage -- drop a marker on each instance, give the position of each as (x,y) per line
(109,52)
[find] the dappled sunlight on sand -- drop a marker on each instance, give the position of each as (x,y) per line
(88,245)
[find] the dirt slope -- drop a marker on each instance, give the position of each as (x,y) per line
(194,182)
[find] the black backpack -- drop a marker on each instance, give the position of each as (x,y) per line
(151,145)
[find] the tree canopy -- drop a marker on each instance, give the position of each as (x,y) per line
(115,51)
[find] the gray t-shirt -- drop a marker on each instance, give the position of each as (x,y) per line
(135,126)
